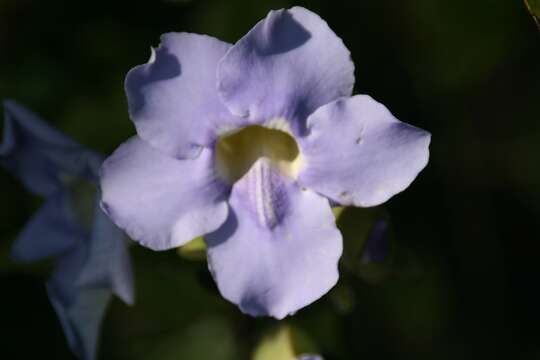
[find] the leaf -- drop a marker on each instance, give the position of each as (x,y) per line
(283,343)
(193,250)
(337,211)
(207,339)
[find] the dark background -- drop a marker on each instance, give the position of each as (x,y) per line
(463,276)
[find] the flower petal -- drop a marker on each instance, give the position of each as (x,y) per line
(309,357)
(51,231)
(160,201)
(377,246)
(358,153)
(81,320)
(108,265)
(81,306)
(67,269)
(173,99)
(39,155)
(279,248)
(287,66)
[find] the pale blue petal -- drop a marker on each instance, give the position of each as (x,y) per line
(173,100)
(287,66)
(68,267)
(279,248)
(160,201)
(47,162)
(81,307)
(108,265)
(357,153)
(81,319)
(309,357)
(39,155)
(50,232)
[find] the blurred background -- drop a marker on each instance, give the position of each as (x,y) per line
(461,280)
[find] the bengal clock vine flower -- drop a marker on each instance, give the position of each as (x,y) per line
(90,252)
(248,145)
(309,357)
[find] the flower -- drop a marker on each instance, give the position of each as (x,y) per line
(310,357)
(91,257)
(377,246)
(254,162)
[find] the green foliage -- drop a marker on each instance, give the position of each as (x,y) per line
(207,339)
(193,250)
(283,343)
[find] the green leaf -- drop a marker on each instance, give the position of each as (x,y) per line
(193,250)
(284,343)
(207,339)
(337,211)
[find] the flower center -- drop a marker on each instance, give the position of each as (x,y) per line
(236,153)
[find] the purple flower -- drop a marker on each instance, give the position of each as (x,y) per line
(309,357)
(377,247)
(91,258)
(248,144)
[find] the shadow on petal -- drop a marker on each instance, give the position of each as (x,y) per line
(162,66)
(224,232)
(287,34)
(253,306)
